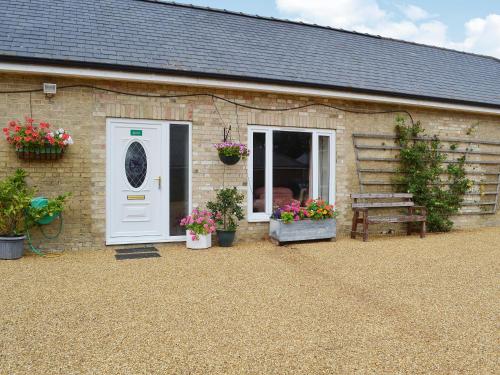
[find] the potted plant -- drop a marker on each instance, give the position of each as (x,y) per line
(199,228)
(292,222)
(17,214)
(230,153)
(37,141)
(227,211)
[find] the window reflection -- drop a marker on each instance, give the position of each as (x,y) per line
(324,167)
(259,172)
(292,167)
(179,177)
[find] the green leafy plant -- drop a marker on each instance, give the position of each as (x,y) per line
(53,208)
(227,208)
(16,213)
(421,168)
(15,198)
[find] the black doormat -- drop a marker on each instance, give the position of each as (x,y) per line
(137,253)
(136,250)
(137,256)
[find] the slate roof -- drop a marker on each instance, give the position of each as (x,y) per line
(148,35)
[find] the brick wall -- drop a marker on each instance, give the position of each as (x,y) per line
(83,111)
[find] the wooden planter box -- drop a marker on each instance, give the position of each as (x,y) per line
(40,153)
(302,230)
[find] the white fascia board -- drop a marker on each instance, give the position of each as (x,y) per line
(7,67)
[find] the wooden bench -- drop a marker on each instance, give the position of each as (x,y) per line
(362,203)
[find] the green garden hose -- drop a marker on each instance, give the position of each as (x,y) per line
(41,202)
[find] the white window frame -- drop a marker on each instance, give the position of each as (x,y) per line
(268,131)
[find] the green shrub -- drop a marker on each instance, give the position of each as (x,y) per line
(227,209)
(421,168)
(16,213)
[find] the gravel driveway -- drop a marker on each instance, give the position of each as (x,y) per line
(392,305)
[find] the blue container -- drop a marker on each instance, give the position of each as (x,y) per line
(41,202)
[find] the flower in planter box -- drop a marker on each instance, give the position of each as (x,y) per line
(315,209)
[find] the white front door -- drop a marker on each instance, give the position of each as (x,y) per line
(138,177)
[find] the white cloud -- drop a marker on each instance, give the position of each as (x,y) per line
(410,22)
(414,12)
(341,13)
(483,35)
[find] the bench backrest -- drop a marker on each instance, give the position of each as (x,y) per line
(406,197)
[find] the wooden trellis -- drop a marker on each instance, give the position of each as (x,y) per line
(377,159)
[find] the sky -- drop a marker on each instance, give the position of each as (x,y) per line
(465,25)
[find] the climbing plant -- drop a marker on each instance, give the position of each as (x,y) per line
(420,173)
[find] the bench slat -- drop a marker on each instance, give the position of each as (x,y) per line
(381,195)
(395,219)
(383,204)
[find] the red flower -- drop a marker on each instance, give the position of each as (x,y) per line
(32,134)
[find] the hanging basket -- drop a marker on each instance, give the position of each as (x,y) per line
(229,160)
(40,153)
(236,151)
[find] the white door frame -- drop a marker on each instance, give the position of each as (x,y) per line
(165,143)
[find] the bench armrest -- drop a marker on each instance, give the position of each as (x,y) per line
(362,209)
(422,209)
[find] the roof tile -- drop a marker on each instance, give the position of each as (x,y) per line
(174,37)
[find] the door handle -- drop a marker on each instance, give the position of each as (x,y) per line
(159,181)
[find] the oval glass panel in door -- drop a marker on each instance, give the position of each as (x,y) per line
(136,164)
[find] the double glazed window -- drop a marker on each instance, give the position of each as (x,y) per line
(289,164)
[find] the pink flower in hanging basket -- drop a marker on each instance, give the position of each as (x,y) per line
(232,149)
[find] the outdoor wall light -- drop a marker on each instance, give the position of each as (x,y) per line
(49,89)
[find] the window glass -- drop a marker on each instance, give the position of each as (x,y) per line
(324,167)
(179,177)
(136,164)
(259,172)
(292,167)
